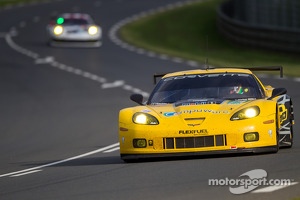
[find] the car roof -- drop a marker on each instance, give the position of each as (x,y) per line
(208,71)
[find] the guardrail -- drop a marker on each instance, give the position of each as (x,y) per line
(258,36)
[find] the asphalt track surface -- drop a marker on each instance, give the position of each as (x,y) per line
(59,113)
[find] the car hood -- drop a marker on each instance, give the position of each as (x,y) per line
(189,110)
(75,27)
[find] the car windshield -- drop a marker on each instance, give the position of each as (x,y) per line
(75,21)
(221,86)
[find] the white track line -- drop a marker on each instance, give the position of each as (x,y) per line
(111,150)
(76,71)
(60,161)
(115,39)
(22,174)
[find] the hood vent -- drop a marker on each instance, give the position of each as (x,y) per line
(194,121)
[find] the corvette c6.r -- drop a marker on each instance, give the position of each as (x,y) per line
(210,111)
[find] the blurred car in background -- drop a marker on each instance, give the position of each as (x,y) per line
(74,30)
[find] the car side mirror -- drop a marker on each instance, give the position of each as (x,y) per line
(138,98)
(277,92)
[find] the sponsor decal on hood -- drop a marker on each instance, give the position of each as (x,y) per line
(171,114)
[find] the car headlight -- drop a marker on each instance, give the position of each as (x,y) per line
(246,113)
(93,30)
(144,118)
(58,30)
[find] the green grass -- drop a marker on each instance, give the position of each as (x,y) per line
(190,32)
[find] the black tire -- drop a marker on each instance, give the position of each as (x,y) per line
(288,139)
(277,134)
(291,112)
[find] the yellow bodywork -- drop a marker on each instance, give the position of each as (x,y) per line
(200,128)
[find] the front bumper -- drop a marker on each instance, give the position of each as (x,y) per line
(76,44)
(155,141)
(136,157)
(213,136)
(79,38)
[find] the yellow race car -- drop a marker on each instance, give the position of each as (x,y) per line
(209,111)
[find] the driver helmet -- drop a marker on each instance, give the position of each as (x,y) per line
(238,90)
